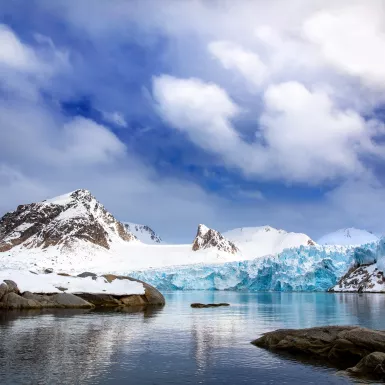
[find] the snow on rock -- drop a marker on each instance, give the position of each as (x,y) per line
(256,242)
(65,221)
(366,273)
(208,238)
(53,283)
(349,236)
(305,268)
(144,233)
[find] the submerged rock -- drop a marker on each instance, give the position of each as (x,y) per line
(359,350)
(203,305)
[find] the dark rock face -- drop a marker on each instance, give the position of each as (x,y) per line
(207,238)
(202,305)
(78,217)
(136,228)
(359,350)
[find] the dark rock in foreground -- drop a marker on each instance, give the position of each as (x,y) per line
(203,305)
(359,350)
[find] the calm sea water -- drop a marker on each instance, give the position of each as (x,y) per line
(177,344)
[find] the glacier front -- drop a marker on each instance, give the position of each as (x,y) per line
(314,268)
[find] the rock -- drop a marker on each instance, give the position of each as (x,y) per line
(152,296)
(202,305)
(87,274)
(12,286)
(343,346)
(70,301)
(48,271)
(3,289)
(372,364)
(15,301)
(208,238)
(100,300)
(133,300)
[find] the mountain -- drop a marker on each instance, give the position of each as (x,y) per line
(349,236)
(75,233)
(256,242)
(142,232)
(208,238)
(62,222)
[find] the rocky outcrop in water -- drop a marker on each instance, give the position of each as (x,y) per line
(204,305)
(358,350)
(208,238)
(11,297)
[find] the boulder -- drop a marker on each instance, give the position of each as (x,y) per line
(3,289)
(87,274)
(152,296)
(12,286)
(360,349)
(71,301)
(202,305)
(100,300)
(372,364)
(133,300)
(15,301)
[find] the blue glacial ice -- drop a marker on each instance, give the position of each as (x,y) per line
(299,269)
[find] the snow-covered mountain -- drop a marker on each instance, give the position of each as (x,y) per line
(256,242)
(63,222)
(208,238)
(349,236)
(142,232)
(74,233)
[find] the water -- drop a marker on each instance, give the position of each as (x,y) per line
(177,344)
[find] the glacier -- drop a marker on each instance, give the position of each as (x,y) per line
(306,268)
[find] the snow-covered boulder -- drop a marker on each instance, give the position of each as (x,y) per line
(29,290)
(208,238)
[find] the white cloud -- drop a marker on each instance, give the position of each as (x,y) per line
(235,57)
(15,54)
(90,143)
(116,118)
(352,38)
(303,136)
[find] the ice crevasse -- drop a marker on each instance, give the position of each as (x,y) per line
(313,268)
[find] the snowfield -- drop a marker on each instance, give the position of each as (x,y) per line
(53,283)
(350,236)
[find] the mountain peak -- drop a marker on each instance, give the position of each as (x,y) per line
(208,238)
(63,221)
(144,233)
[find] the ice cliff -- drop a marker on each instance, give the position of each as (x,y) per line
(313,268)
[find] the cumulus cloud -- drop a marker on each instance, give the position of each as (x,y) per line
(235,57)
(352,39)
(302,136)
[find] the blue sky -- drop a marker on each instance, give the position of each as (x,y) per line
(175,113)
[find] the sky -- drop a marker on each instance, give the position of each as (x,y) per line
(174,113)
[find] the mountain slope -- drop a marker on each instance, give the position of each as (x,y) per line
(144,233)
(255,242)
(349,236)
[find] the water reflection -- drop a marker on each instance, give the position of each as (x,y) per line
(176,344)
